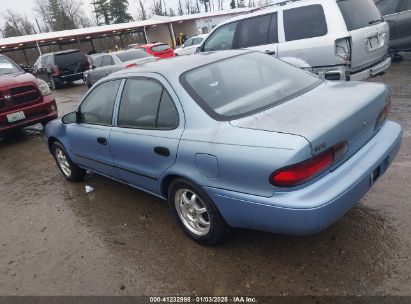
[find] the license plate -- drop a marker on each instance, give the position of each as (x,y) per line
(374,42)
(16,116)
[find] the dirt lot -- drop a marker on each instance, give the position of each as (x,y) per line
(57,240)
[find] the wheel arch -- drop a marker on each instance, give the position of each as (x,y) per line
(168,179)
(50,142)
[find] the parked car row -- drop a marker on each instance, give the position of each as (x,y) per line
(106,64)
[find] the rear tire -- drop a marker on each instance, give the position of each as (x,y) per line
(71,171)
(55,84)
(196,214)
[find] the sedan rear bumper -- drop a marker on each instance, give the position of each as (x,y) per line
(313,208)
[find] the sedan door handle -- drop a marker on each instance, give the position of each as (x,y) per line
(268,52)
(162,151)
(102,141)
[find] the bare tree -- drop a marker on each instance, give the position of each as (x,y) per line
(188,6)
(16,25)
(142,10)
(180,10)
(58,15)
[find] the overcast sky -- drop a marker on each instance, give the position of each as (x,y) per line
(27,7)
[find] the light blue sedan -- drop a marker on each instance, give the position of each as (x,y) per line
(232,139)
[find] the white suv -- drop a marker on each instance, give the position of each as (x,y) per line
(336,39)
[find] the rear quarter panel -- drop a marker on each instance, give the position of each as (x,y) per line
(245,158)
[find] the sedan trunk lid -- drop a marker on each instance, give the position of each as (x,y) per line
(327,115)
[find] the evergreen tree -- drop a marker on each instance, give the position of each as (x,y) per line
(118,10)
(59,19)
(171,12)
(232,4)
(241,3)
(102,11)
(16,25)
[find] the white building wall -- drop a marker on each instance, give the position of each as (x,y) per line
(205,25)
(159,33)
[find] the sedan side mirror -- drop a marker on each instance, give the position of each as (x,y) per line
(73,117)
(198,49)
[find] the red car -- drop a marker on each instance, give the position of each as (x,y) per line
(24,99)
(159,50)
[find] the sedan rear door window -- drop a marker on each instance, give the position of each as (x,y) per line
(145,104)
(108,60)
(304,22)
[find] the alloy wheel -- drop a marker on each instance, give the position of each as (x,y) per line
(62,161)
(192,212)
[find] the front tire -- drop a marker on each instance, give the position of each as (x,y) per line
(71,171)
(196,213)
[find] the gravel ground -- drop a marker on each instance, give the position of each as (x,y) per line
(57,240)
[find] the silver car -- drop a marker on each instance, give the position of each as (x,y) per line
(189,47)
(107,64)
(397,13)
(338,40)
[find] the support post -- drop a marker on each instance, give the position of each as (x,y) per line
(79,43)
(145,35)
(121,41)
(172,34)
(25,56)
(38,48)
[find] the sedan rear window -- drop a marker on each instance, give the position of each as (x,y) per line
(245,84)
(160,48)
(359,13)
(131,55)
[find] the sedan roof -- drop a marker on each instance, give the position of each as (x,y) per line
(181,64)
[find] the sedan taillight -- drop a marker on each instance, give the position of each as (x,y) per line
(131,65)
(383,115)
(305,171)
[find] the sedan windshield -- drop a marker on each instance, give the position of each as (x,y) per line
(7,67)
(131,55)
(245,84)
